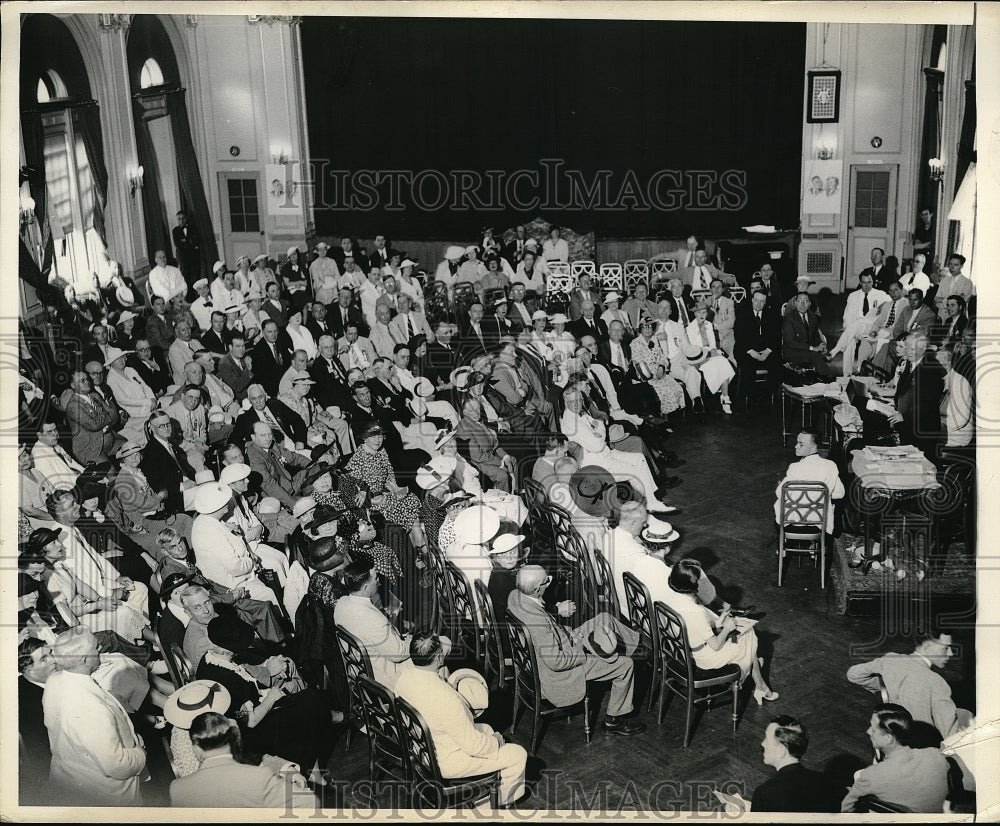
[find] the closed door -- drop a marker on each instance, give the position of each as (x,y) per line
(243,231)
(873,217)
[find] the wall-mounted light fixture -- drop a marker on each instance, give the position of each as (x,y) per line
(27,210)
(133,175)
(279,155)
(937,168)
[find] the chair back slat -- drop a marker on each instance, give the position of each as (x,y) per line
(417,742)
(640,609)
(442,591)
(559,283)
(636,272)
(385,737)
(675,651)
(612,277)
(559,268)
(184,668)
(525,664)
(804,503)
(494,648)
(583,267)
(738,294)
(607,594)
(658,268)
(356,664)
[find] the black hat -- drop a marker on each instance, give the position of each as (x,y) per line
(324,514)
(40,537)
(227,631)
(324,554)
(172,582)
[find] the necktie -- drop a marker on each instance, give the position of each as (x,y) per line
(864,307)
(409,327)
(690,261)
(704,334)
(683,311)
(277,356)
(890,320)
(805,320)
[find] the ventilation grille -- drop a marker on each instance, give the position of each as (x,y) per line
(819,263)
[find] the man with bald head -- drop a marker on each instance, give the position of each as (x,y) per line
(182,351)
(97,758)
(589,323)
(601,650)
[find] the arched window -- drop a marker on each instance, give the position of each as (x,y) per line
(51,87)
(151,75)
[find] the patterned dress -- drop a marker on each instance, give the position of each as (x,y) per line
(385,560)
(670,393)
(375,470)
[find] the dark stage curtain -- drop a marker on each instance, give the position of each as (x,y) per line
(34,157)
(967,140)
(927,188)
(618,101)
(87,123)
(192,190)
(157,227)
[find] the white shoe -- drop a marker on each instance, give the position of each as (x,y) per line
(727,407)
(662,507)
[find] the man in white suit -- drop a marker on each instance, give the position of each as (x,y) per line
(355,350)
(860,315)
(700,275)
(408,322)
(97,758)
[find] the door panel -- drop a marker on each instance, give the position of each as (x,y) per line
(872,216)
(242,227)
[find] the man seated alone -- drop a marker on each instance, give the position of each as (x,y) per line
(811,467)
(911,682)
(388,650)
(464,748)
(916,779)
(568,659)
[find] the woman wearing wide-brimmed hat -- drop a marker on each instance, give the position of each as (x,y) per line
(653,367)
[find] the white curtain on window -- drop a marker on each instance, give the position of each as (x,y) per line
(963,210)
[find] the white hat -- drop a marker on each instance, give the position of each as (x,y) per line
(453,253)
(473,689)
(127,449)
(114,354)
(406,262)
(423,388)
(559,318)
(125,295)
(233,473)
(128,315)
(322,245)
(218,265)
(242,258)
(195,698)
(303,506)
(531,242)
(539,314)
(201,282)
(268,505)
(612,296)
(262,257)
(460,377)
(302,377)
(436,471)
(506,542)
(255,294)
(472,248)
(477,525)
(211,497)
(805,278)
(235,308)
(204,476)
(291,249)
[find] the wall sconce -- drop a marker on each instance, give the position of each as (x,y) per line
(824,153)
(27,210)
(134,176)
(937,167)
(279,155)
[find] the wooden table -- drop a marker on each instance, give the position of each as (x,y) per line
(806,400)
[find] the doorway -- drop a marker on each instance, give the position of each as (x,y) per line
(243,232)
(872,217)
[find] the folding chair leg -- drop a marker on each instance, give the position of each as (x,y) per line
(736,703)
(586,717)
(536,727)
(517,708)
(654,686)
(688,717)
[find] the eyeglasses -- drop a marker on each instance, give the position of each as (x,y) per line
(164,423)
(142,349)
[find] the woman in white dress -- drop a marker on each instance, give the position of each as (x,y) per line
(653,367)
(324,274)
(714,366)
(709,634)
(472,269)
(408,283)
(301,337)
(562,341)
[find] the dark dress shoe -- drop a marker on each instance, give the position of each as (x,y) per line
(749,613)
(742,611)
(621,725)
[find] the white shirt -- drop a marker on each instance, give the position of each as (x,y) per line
(302,340)
(166,281)
(202,313)
(389,652)
(555,250)
(223,297)
(959,419)
(916,281)
(221,556)
(57,467)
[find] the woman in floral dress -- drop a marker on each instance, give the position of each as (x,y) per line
(653,366)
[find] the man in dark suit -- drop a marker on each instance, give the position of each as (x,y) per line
(441,356)
(918,398)
(800,340)
(758,342)
(343,314)
(518,312)
(514,250)
(881,275)
(794,788)
(187,243)
(349,247)
(474,339)
(217,337)
(284,422)
(588,324)
(681,310)
(582,294)
(148,367)
(951,330)
(164,464)
(380,254)
(330,375)
(271,357)
(316,321)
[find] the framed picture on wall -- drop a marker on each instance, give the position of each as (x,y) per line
(823,101)
(821,190)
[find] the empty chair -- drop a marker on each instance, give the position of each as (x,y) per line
(559,268)
(612,277)
(636,272)
(528,689)
(802,522)
(679,675)
(738,294)
(425,773)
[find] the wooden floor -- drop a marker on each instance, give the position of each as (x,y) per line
(733,466)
